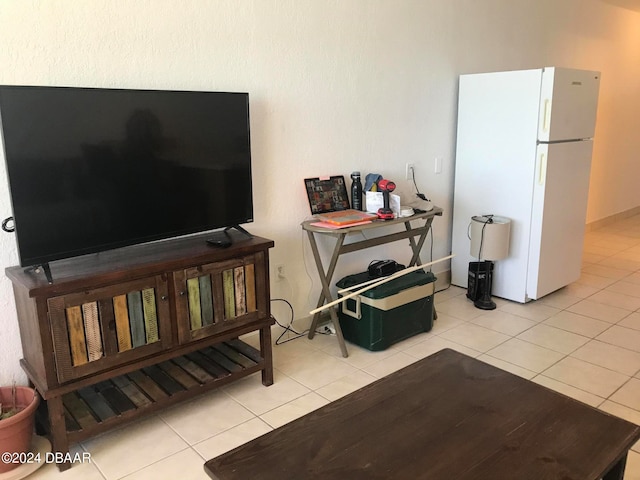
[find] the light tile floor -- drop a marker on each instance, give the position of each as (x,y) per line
(583,341)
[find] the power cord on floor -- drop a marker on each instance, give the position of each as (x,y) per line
(288,327)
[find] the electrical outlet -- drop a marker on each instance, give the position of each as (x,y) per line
(329,329)
(410,171)
(280,272)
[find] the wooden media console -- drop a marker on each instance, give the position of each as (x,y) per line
(127,332)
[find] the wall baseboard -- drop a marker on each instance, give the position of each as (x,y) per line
(443,279)
(591,226)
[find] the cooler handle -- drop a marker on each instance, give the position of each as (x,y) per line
(357,313)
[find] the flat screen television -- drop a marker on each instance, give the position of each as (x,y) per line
(93,169)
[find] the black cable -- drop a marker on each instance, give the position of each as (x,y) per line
(288,328)
(418,194)
(6,222)
(489,220)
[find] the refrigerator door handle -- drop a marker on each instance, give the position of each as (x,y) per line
(546,119)
(542,170)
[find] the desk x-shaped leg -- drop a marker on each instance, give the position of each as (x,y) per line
(340,248)
(326,292)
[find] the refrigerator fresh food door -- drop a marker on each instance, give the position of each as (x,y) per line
(495,157)
(561,187)
(568,104)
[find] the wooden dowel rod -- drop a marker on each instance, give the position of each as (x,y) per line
(353,287)
(370,285)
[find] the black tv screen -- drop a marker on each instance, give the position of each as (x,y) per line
(94,169)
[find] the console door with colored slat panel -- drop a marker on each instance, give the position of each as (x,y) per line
(219,296)
(103,327)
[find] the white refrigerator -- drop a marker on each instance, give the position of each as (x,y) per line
(524,146)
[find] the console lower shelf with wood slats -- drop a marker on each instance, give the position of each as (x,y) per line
(89,409)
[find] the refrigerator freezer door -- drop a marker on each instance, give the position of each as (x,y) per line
(561,186)
(568,104)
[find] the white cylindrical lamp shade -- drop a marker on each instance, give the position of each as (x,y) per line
(490,237)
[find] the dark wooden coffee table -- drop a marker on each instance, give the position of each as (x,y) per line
(447,417)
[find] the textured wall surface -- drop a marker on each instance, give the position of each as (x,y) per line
(335,86)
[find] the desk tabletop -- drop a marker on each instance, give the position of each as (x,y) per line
(308,224)
(448,416)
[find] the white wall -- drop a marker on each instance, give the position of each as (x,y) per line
(335,86)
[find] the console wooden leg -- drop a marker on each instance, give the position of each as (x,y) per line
(266,350)
(58,429)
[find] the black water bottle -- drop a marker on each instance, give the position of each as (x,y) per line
(356,191)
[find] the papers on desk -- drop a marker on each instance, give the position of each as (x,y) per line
(333,226)
(345,218)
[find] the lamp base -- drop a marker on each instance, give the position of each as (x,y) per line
(485,304)
(479,287)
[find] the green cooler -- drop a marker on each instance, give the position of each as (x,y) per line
(384,315)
